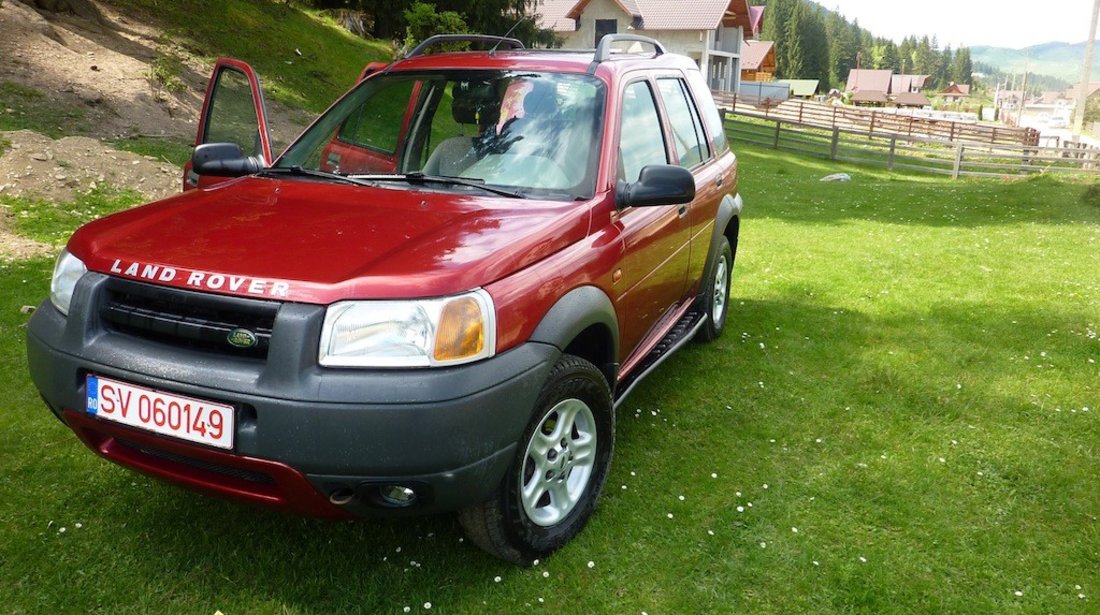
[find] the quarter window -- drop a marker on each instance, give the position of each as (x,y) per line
(711,117)
(641,140)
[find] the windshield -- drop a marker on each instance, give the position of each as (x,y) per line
(530,132)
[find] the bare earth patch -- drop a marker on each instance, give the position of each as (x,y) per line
(15,247)
(40,167)
(102,69)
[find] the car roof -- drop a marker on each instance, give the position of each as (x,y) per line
(551,60)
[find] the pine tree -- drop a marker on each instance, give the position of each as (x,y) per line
(944,61)
(924,62)
(815,45)
(777,18)
(842,48)
(793,51)
(961,68)
(906,52)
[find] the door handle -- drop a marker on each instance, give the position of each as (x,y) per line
(683,210)
(718,181)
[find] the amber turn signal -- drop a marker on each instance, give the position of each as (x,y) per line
(461,331)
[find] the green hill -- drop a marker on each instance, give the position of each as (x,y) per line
(1061,60)
(304,58)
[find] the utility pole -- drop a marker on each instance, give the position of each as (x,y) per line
(1086,75)
(1023,95)
(996,103)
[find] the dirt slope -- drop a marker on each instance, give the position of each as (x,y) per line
(100,68)
(42,167)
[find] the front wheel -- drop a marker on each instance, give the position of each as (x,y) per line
(716,293)
(558,472)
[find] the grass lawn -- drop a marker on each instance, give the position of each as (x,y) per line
(902,417)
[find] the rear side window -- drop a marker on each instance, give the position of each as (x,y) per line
(641,139)
(687,131)
(711,117)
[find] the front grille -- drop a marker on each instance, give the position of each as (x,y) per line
(239,473)
(188,319)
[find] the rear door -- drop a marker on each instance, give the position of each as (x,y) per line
(657,239)
(694,152)
(233,112)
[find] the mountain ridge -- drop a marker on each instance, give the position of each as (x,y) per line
(1055,58)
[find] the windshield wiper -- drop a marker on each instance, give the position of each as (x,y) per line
(300,171)
(420,178)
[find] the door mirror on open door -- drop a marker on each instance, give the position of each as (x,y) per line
(223,160)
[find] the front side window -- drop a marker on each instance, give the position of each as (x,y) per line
(528,132)
(641,140)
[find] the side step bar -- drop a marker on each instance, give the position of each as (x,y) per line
(680,334)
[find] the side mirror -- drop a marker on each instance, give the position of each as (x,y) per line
(223,160)
(658,184)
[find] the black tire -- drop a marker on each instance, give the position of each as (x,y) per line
(716,293)
(521,530)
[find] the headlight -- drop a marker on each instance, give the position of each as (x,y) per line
(65,274)
(413,333)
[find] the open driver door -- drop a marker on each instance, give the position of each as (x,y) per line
(233,112)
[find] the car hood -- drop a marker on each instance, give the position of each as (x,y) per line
(313,242)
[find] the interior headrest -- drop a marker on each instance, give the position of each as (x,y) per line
(472,98)
(541,100)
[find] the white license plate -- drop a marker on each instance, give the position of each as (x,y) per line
(181,417)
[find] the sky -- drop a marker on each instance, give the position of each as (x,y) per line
(999,23)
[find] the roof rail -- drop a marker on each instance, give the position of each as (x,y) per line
(462,38)
(603,50)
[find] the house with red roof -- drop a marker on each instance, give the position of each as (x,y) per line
(956,92)
(758,61)
(1071,93)
(863,79)
(875,87)
(712,32)
(869,87)
(908,83)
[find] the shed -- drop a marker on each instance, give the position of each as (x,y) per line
(801,88)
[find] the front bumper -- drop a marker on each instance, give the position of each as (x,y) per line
(306,437)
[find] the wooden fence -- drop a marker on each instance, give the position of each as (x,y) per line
(879,122)
(914,153)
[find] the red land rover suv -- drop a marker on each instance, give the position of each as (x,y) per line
(432,300)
